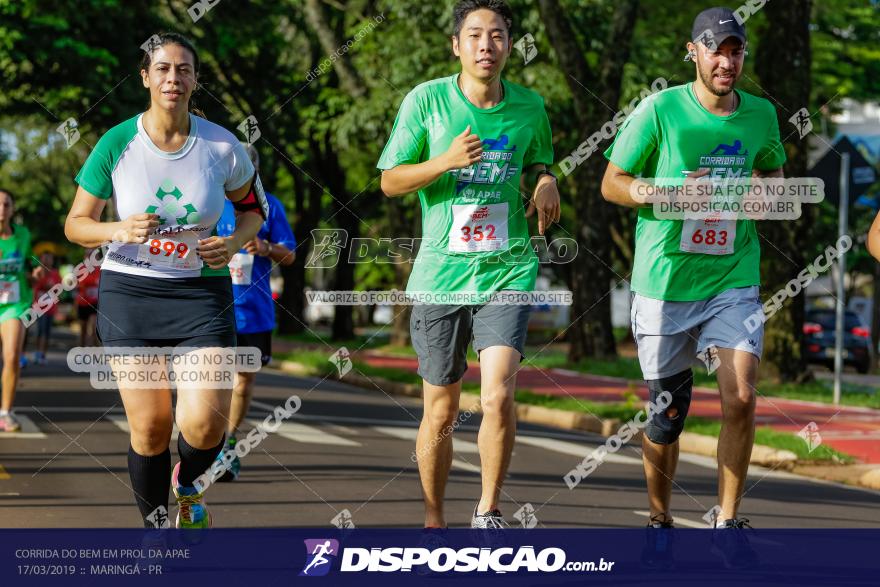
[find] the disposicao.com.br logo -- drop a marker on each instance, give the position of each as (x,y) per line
(320,554)
(444,560)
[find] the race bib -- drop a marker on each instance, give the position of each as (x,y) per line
(177,251)
(477,228)
(241,267)
(708,236)
(9,292)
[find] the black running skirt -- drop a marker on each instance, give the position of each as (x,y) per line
(150,311)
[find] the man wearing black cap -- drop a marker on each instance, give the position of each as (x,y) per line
(696,280)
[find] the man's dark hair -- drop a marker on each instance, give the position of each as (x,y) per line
(465,7)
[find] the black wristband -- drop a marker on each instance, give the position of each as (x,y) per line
(545,172)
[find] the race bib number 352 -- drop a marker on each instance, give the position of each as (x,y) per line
(177,251)
(478,228)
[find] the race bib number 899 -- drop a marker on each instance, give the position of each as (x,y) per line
(177,251)
(478,228)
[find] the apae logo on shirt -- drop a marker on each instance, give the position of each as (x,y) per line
(170,206)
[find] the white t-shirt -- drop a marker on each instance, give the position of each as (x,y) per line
(187,189)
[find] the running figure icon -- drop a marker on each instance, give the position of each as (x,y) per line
(319,551)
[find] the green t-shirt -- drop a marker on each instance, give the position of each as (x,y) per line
(475,234)
(671,133)
(15,251)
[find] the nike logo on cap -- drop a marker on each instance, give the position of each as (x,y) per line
(725,21)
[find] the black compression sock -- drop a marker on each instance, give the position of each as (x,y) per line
(194,461)
(150,480)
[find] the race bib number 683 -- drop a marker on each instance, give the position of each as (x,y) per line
(709,237)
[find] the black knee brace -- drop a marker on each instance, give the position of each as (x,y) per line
(670,400)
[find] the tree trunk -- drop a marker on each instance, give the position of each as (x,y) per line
(404,216)
(291,319)
(348,77)
(785,46)
(333,174)
(591,275)
(346,219)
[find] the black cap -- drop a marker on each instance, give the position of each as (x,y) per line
(714,25)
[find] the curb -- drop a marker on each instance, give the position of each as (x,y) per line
(566,420)
(870,479)
(865,476)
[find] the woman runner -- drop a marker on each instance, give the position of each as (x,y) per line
(164,279)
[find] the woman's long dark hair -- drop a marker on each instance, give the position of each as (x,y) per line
(162,39)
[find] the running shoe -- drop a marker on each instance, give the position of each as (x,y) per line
(192,511)
(431,539)
(657,553)
(731,543)
(23,362)
(9,423)
(152,541)
(234,469)
(492,520)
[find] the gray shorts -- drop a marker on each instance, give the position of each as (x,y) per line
(441,334)
(671,335)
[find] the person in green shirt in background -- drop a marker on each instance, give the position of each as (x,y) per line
(15,300)
(696,280)
(468,144)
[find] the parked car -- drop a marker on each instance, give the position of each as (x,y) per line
(819,333)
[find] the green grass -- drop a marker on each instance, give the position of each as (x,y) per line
(628,368)
(768,437)
(397,351)
(317,363)
(309,339)
(820,391)
(621,410)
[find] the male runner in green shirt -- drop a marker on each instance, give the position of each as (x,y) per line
(696,280)
(465,143)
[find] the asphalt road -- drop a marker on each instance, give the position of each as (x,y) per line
(348,452)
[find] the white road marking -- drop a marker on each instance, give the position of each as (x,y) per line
(121,422)
(308,434)
(28,429)
(574,449)
(466,466)
(407,433)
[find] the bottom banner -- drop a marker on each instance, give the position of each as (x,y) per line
(275,557)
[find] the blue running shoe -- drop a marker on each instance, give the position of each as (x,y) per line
(233,469)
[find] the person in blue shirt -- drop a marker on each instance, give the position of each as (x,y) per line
(254,306)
